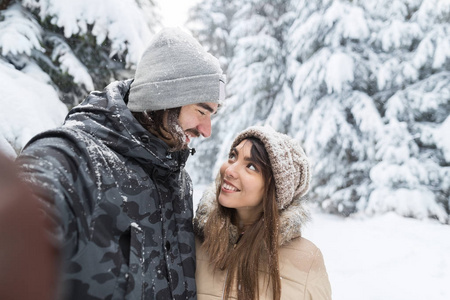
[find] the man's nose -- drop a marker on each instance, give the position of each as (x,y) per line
(205,127)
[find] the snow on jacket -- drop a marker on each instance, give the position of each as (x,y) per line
(302,269)
(124,202)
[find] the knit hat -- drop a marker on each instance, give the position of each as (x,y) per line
(174,71)
(290,166)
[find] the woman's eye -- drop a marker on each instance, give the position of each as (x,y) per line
(202,113)
(252,167)
(231,156)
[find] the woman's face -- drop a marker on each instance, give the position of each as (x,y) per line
(242,183)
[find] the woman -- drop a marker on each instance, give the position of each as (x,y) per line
(249,244)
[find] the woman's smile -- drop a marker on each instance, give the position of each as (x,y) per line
(228,187)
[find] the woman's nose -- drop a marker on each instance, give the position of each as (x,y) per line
(230,171)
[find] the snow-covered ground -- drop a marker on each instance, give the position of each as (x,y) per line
(385,257)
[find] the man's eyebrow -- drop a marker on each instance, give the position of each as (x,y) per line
(207,107)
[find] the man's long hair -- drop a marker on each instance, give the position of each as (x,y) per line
(257,249)
(154,122)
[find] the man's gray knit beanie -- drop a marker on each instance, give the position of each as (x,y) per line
(175,70)
(290,166)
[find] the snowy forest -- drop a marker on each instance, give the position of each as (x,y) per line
(363,85)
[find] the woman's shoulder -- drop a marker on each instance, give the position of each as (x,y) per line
(301,253)
(300,244)
(301,261)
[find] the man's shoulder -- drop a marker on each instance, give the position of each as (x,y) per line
(58,148)
(64,136)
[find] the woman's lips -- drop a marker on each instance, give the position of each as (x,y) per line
(229,188)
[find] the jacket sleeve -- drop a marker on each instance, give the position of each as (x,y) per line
(318,285)
(49,166)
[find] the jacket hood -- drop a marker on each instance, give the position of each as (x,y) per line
(105,116)
(292,218)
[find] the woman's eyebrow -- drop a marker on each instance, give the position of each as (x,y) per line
(251,159)
(246,158)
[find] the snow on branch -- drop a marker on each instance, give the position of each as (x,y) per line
(19,32)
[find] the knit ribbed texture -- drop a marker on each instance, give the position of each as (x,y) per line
(289,163)
(174,71)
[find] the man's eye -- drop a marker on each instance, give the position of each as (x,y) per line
(201,112)
(231,156)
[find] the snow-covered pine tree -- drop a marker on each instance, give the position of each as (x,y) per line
(412,175)
(81,45)
(358,82)
(210,22)
(332,67)
(53,51)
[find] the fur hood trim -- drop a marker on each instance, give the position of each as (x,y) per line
(292,218)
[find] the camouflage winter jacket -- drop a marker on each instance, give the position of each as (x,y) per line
(122,200)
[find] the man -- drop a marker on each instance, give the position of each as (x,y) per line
(114,179)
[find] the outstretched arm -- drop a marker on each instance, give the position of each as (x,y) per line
(29,262)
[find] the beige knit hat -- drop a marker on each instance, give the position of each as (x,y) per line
(290,166)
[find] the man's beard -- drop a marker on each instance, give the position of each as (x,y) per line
(164,125)
(180,140)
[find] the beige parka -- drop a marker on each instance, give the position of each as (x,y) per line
(302,268)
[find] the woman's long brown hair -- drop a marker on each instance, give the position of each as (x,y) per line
(257,248)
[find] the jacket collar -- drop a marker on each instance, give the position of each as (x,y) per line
(106,117)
